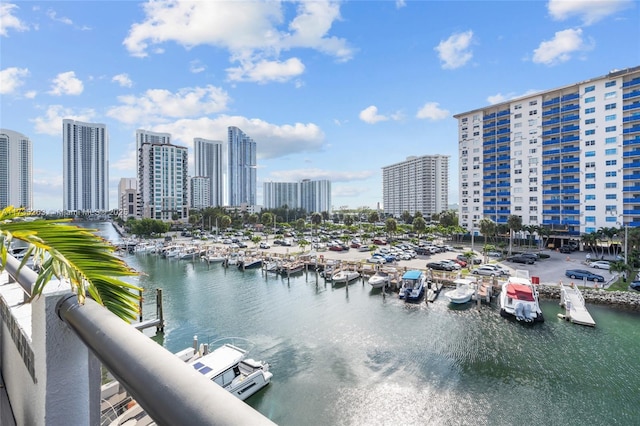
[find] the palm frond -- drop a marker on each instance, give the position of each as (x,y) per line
(72,253)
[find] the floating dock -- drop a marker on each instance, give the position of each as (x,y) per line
(573,302)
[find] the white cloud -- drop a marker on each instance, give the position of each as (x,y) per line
(9,21)
(590,11)
(31,94)
(349,191)
(266,71)
(454,52)
(196,67)
(432,111)
(370,115)
(66,83)
(273,140)
(123,80)
(499,97)
(53,16)
(254,33)
(158,105)
(11,79)
(51,122)
(560,48)
(318,174)
(400,4)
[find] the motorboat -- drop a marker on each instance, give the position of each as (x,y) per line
(345,276)
(250,263)
(412,285)
(380,279)
(291,267)
(227,366)
(519,298)
(465,289)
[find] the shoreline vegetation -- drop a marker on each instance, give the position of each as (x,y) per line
(627,300)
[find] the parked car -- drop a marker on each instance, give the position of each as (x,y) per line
(265,246)
(462,263)
(534,256)
(442,266)
(566,249)
(490,270)
(456,266)
(581,274)
(476,260)
(377,260)
(379,242)
(518,258)
(635,285)
(600,264)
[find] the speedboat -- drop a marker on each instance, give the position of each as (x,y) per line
(227,366)
(465,289)
(519,299)
(412,285)
(345,276)
(380,279)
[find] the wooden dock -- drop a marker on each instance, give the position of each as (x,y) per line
(573,302)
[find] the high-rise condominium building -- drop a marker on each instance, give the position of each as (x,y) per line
(567,158)
(418,184)
(128,198)
(200,192)
(162,177)
(310,195)
(85,166)
(241,174)
(208,160)
(16,170)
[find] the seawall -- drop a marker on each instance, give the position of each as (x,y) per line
(619,299)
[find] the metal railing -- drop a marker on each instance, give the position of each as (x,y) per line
(171,392)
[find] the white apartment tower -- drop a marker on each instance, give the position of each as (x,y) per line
(567,159)
(128,198)
(162,177)
(85,165)
(418,184)
(16,170)
(200,192)
(315,195)
(310,195)
(208,160)
(242,179)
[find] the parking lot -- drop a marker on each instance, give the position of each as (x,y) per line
(549,271)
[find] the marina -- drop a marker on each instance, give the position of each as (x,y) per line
(347,355)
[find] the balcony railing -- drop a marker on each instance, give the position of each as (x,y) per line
(169,390)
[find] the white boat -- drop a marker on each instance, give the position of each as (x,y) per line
(345,276)
(465,289)
(519,298)
(412,285)
(213,257)
(227,366)
(380,279)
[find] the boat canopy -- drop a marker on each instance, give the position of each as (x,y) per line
(412,275)
(520,292)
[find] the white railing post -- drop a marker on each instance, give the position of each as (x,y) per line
(67,373)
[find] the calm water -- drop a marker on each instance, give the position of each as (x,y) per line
(349,356)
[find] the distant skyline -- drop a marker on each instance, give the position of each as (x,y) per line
(327,89)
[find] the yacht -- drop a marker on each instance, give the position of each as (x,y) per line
(519,299)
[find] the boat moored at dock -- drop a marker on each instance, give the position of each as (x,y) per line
(519,299)
(412,285)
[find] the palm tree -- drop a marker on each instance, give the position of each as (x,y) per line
(316,220)
(74,254)
(515,224)
(419,225)
(391,225)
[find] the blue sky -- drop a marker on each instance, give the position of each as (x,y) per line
(328,89)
